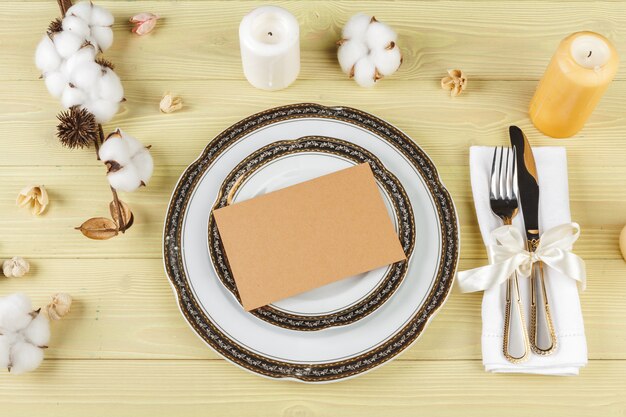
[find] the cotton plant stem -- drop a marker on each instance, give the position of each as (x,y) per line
(64,5)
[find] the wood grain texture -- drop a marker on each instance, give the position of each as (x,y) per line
(125,348)
(403,388)
(433,36)
(125,308)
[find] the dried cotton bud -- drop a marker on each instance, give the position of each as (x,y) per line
(368,50)
(144,23)
(35,197)
(170,104)
(129,163)
(59,306)
(24,333)
(455,81)
(15,267)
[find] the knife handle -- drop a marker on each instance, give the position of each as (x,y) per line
(515,351)
(542,336)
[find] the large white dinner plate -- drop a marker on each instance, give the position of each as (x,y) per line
(334,353)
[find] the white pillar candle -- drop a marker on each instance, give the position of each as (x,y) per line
(269,38)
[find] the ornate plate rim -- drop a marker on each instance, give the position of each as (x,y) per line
(392,347)
(400,267)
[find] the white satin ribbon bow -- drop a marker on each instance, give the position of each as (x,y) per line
(509,254)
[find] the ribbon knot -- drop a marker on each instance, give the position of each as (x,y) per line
(509,255)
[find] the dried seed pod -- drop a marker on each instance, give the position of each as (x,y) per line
(99,228)
(59,306)
(455,81)
(34,197)
(170,104)
(127,215)
(15,267)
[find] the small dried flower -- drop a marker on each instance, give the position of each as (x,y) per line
(170,104)
(455,81)
(77,128)
(15,267)
(35,197)
(144,23)
(59,306)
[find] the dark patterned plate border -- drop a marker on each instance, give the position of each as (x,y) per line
(318,372)
(354,153)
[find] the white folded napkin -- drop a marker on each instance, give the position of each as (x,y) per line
(571,352)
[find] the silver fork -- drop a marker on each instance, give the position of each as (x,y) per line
(504,204)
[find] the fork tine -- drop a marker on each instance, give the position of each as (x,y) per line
(509,175)
(492,179)
(514,188)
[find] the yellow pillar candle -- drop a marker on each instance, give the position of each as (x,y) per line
(575,80)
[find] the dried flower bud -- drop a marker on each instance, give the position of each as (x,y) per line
(35,197)
(144,23)
(455,81)
(15,267)
(59,306)
(170,104)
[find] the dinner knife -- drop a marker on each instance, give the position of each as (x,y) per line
(542,336)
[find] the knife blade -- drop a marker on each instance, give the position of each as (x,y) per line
(542,336)
(527,182)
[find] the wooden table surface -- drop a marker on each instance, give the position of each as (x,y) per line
(125,348)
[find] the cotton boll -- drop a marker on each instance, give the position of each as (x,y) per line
(110,86)
(5,351)
(144,165)
(365,72)
(56,82)
(356,27)
(67,43)
(76,25)
(86,76)
(100,17)
(104,110)
(350,52)
(133,146)
(379,36)
(46,56)
(387,61)
(127,179)
(25,357)
(82,10)
(85,54)
(14,312)
(38,331)
(115,148)
(103,36)
(72,96)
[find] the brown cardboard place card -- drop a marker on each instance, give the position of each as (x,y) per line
(304,236)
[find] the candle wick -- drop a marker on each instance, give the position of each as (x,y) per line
(588,56)
(270,33)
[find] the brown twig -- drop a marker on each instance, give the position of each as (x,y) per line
(64,5)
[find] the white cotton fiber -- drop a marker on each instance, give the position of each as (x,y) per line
(76,25)
(14,312)
(110,86)
(103,36)
(144,165)
(127,179)
(379,36)
(350,52)
(82,10)
(38,331)
(104,110)
(100,17)
(67,43)
(46,56)
(387,60)
(356,27)
(56,82)
(72,96)
(364,72)
(25,357)
(86,76)
(115,148)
